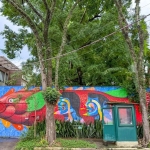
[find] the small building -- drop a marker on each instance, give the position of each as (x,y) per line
(10,74)
(120,124)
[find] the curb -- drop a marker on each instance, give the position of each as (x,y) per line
(61,148)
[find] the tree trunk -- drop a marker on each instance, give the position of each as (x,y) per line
(141,70)
(50,121)
(138,60)
(142,94)
(50,124)
(49,67)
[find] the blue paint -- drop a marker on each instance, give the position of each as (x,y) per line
(11,131)
(5,89)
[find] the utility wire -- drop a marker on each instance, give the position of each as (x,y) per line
(96,41)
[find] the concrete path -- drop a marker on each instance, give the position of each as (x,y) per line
(8,143)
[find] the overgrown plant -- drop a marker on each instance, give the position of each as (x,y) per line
(67,130)
(51,95)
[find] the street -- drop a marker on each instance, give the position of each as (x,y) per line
(8,143)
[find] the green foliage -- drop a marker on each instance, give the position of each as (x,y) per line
(14,77)
(41,128)
(74,143)
(64,143)
(30,144)
(70,129)
(131,90)
(51,95)
(29,135)
(65,129)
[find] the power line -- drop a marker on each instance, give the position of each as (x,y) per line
(92,43)
(96,41)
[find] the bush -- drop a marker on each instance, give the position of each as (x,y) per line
(51,95)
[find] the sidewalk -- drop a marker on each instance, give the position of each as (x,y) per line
(60,148)
(99,144)
(8,143)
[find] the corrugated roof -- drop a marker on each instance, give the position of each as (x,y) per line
(4,62)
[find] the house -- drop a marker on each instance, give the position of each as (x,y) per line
(10,74)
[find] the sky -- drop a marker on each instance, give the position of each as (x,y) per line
(24,55)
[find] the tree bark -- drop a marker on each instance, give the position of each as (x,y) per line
(138,61)
(40,42)
(50,124)
(65,28)
(142,90)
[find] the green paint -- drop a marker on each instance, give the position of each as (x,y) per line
(35,102)
(122,93)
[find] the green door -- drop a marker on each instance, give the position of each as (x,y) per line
(126,123)
(109,133)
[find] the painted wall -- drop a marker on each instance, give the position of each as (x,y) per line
(19,106)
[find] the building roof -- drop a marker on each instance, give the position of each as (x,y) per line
(122,103)
(5,63)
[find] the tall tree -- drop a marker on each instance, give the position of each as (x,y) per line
(137,54)
(45,26)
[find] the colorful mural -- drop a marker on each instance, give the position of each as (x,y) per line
(19,107)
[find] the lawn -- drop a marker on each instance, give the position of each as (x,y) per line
(65,143)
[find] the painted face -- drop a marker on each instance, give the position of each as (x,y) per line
(62,105)
(92,106)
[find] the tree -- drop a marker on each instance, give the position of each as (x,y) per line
(137,54)
(37,16)
(45,27)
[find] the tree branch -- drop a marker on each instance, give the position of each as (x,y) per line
(64,38)
(48,18)
(46,4)
(24,14)
(83,16)
(64,4)
(140,32)
(125,31)
(34,10)
(65,27)
(37,37)
(95,16)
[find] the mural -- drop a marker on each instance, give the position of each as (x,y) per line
(19,108)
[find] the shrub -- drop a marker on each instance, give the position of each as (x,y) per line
(51,95)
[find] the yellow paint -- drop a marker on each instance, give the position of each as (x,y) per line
(6,123)
(69,114)
(99,108)
(85,114)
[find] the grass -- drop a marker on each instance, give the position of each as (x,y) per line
(30,144)
(65,143)
(73,143)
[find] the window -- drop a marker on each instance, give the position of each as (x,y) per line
(1,76)
(108,116)
(125,116)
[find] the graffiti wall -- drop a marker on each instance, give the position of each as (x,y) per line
(20,107)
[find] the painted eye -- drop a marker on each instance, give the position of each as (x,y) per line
(11,100)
